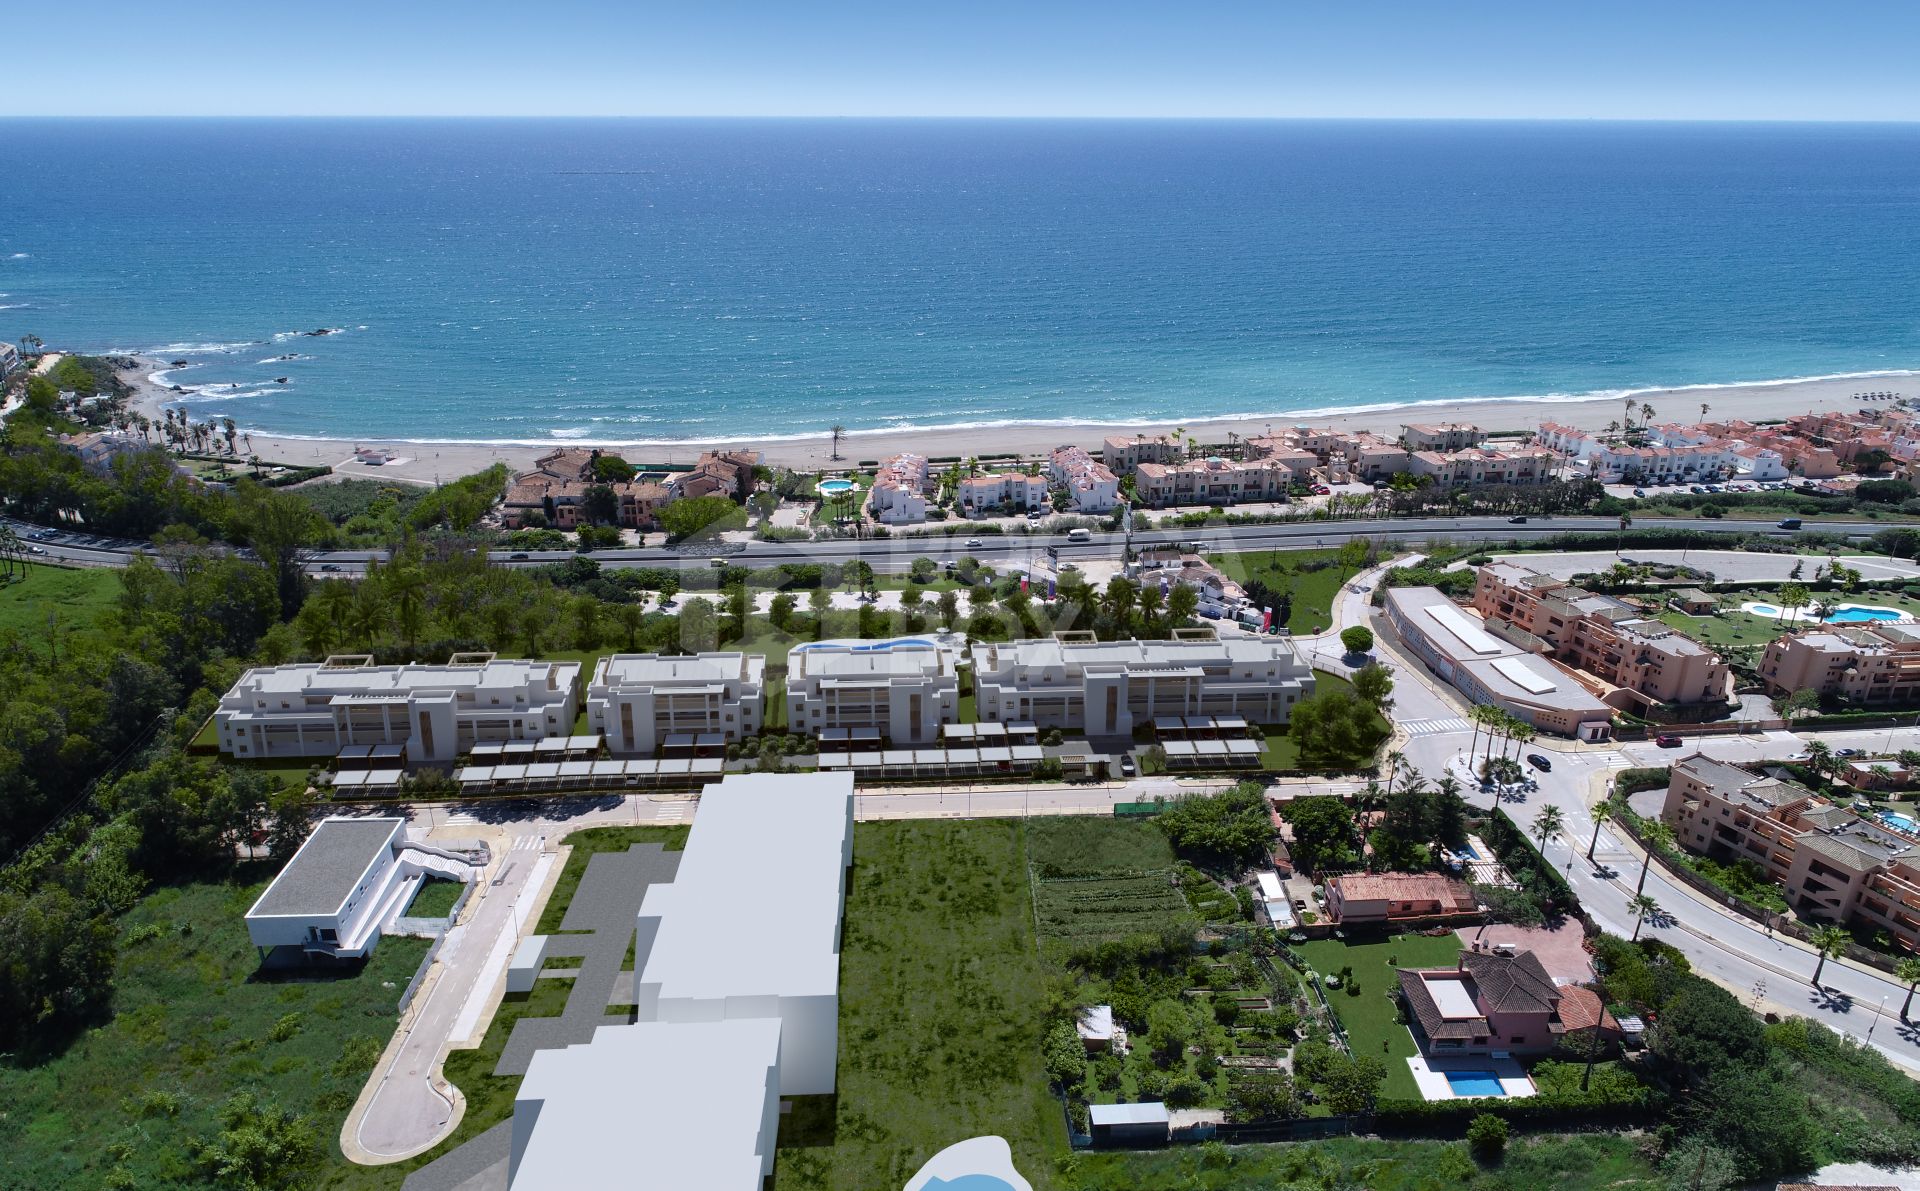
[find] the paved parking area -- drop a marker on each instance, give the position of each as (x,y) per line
(1561,950)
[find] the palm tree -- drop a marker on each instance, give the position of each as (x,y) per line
(1703,411)
(1831,941)
(1626,523)
(1658,837)
(1907,972)
(1820,757)
(1792,597)
(1547,823)
(837,431)
(1643,907)
(1646,415)
(1629,415)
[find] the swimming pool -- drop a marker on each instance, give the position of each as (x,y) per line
(1475,1083)
(870,647)
(835,487)
(1898,821)
(1853,614)
(970,1182)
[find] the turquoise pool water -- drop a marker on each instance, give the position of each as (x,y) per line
(1857,615)
(835,487)
(970,1182)
(1898,820)
(876,647)
(1475,1083)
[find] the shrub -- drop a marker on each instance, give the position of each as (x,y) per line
(1487,1135)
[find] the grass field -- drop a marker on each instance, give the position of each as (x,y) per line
(1287,570)
(1369,1017)
(593,840)
(941,995)
(1594,1162)
(1098,879)
(434,899)
(70,596)
(193,1024)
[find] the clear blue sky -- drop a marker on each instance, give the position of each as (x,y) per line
(1631,59)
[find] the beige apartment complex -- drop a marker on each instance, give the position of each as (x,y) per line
(1607,638)
(1441,436)
(1864,663)
(1833,864)
(903,689)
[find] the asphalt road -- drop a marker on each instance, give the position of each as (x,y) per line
(895,554)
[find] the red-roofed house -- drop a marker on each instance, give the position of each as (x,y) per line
(1384,897)
(1498,1005)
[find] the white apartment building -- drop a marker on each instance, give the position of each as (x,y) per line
(638,700)
(1107,688)
(1092,485)
(1670,462)
(899,493)
(772,851)
(979,494)
(438,711)
(904,689)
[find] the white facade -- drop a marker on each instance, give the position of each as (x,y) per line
(768,854)
(899,493)
(334,893)
(436,711)
(1107,688)
(977,494)
(637,700)
(1093,486)
(903,689)
(651,1105)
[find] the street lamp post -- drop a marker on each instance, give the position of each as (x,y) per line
(1876,1019)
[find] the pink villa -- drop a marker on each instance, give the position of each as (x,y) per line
(1499,1006)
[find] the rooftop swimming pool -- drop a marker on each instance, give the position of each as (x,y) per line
(872,647)
(1475,1083)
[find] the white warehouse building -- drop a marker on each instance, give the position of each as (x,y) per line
(437,711)
(770,850)
(1108,688)
(904,689)
(637,701)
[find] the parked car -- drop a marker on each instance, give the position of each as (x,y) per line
(1639,491)
(1667,740)
(1127,767)
(1849,752)
(1540,762)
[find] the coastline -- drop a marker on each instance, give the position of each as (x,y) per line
(433,461)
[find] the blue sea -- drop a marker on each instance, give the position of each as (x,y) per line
(632,280)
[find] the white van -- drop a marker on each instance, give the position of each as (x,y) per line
(1079,535)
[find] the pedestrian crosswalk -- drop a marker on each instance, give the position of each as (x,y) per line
(670,812)
(1434,727)
(525,843)
(1614,760)
(461,817)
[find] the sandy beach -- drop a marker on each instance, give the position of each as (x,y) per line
(431,462)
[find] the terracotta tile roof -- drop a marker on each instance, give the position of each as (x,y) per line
(1582,1009)
(1404,887)
(1434,1023)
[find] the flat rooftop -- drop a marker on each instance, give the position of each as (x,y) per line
(624,669)
(768,853)
(652,1104)
(297,678)
(323,873)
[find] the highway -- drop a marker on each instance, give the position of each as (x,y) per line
(895,554)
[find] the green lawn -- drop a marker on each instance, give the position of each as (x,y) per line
(593,840)
(130,1099)
(1288,570)
(434,899)
(66,596)
(1592,1162)
(941,1002)
(774,718)
(1369,1017)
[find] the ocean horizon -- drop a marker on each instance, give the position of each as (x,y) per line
(546,281)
